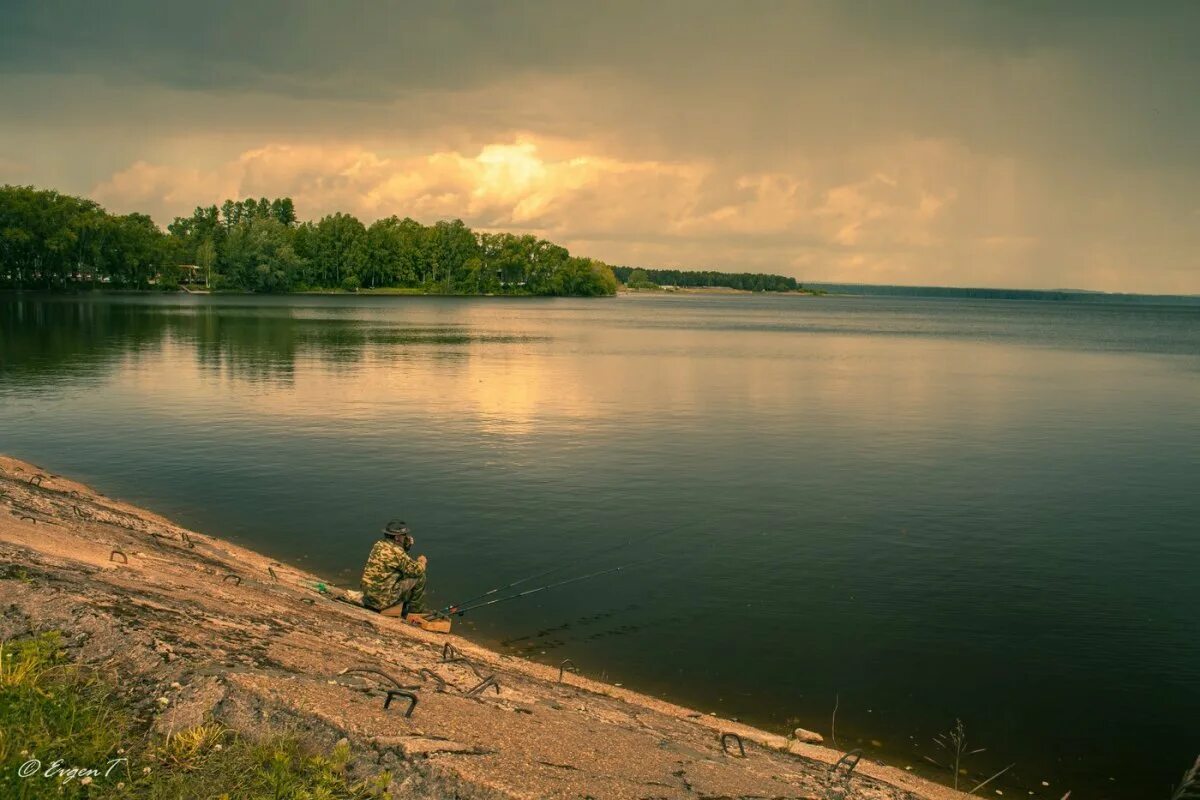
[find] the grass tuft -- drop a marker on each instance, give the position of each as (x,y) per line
(1189,787)
(54,711)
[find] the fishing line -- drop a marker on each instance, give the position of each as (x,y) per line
(460,611)
(449,608)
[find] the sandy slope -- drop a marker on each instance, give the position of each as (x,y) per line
(254,647)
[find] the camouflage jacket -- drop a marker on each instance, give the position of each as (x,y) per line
(387,567)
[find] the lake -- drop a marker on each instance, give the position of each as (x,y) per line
(915,509)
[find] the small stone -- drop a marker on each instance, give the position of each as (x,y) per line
(807,736)
(417,746)
(1045,783)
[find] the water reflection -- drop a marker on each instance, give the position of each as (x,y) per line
(47,339)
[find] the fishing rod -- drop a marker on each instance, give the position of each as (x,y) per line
(552,570)
(460,611)
(512,585)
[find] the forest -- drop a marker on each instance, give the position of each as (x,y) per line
(639,278)
(52,240)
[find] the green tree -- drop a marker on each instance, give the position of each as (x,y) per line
(134,250)
(283,210)
(206,259)
(337,248)
(259,256)
(448,246)
(638,279)
(583,277)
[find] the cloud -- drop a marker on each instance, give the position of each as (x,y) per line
(1042,145)
(884,207)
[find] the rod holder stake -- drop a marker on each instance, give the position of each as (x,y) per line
(850,759)
(394,693)
(480,687)
(725,737)
(426,672)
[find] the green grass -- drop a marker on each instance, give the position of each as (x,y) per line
(51,709)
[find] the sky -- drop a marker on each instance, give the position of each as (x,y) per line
(1015,144)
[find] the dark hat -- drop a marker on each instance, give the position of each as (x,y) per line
(396,528)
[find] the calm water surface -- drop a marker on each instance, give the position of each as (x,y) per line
(928,509)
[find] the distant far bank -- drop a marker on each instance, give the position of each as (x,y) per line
(715,290)
(1044,295)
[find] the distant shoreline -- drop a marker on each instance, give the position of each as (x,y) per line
(713,290)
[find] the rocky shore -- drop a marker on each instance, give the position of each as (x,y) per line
(227,635)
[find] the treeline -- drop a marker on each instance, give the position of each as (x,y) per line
(52,240)
(749,281)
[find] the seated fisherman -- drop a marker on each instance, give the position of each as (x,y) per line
(393,582)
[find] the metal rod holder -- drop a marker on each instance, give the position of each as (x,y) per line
(482,686)
(372,671)
(426,672)
(452,655)
(725,737)
(394,693)
(850,760)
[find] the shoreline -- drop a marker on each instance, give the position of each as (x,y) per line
(237,630)
(401,292)
(714,290)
